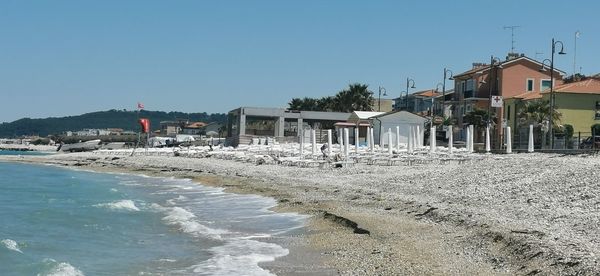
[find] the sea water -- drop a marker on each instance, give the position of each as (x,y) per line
(56,221)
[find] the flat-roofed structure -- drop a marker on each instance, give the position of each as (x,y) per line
(245,123)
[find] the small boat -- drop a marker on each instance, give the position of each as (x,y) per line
(81,146)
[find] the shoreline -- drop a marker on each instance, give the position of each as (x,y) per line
(408,232)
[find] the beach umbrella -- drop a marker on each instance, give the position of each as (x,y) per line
(212,133)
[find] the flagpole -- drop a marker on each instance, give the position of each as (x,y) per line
(139,132)
(575,56)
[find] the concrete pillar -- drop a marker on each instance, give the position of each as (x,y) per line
(356,140)
(467,141)
(450,140)
(372,135)
(472,131)
(368,138)
(398,138)
(301,133)
(411,139)
(488,148)
(530,144)
(390,144)
(432,145)
(418,140)
(313,141)
(346,142)
(280,127)
(508,140)
(242,127)
(329,141)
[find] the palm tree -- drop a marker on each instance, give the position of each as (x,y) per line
(537,113)
(306,103)
(356,97)
(477,117)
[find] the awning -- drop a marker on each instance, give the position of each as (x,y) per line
(349,124)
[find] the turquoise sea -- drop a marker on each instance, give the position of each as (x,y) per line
(56,221)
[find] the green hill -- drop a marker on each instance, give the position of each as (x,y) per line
(126,120)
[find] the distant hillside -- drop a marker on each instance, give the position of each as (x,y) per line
(126,120)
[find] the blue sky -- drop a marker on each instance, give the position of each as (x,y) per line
(61,58)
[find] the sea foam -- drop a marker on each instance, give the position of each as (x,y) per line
(12,245)
(63,269)
(126,205)
(188,224)
(240,257)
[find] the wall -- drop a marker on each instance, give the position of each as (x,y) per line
(577,110)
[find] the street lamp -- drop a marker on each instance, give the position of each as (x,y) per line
(450,77)
(410,83)
(437,89)
(561,52)
(381,88)
(494,62)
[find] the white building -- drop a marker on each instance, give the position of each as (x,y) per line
(383,122)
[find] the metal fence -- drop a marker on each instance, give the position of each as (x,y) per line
(579,140)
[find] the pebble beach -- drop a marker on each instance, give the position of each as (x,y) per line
(501,214)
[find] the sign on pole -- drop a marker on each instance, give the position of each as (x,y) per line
(497,101)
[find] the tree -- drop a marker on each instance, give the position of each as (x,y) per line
(537,113)
(306,103)
(356,97)
(477,117)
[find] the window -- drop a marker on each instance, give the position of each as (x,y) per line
(529,85)
(470,86)
(597,117)
(508,113)
(545,84)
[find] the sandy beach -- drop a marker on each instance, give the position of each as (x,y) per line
(521,214)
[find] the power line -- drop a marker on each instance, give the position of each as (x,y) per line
(512,37)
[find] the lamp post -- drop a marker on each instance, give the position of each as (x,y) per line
(381,88)
(451,77)
(437,89)
(410,83)
(494,62)
(561,52)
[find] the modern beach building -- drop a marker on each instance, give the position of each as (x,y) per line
(383,123)
(245,123)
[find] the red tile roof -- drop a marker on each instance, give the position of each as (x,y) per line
(528,96)
(428,93)
(589,86)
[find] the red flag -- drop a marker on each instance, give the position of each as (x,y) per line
(140,105)
(145,123)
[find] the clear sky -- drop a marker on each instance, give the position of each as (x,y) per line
(61,58)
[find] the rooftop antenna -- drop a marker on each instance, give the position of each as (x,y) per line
(538,54)
(512,36)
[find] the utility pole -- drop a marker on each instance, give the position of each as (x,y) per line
(512,37)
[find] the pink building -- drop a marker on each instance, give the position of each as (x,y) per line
(508,78)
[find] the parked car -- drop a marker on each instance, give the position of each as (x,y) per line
(587,143)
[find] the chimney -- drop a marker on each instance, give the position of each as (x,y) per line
(512,56)
(477,65)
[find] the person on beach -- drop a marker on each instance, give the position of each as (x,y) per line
(324,150)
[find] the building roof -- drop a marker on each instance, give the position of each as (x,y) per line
(588,86)
(527,96)
(195,125)
(505,63)
(363,115)
(393,112)
(427,93)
